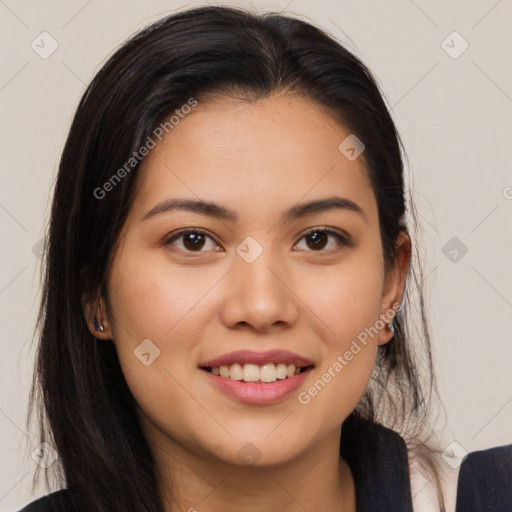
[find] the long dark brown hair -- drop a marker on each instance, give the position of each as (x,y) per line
(79,395)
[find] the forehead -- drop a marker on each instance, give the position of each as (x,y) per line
(255,156)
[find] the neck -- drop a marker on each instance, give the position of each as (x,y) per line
(318,479)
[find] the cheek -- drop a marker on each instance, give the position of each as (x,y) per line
(160,311)
(347,301)
(348,308)
(350,347)
(337,387)
(151,298)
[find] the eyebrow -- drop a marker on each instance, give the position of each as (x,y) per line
(220,212)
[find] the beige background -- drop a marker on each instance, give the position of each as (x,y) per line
(454,115)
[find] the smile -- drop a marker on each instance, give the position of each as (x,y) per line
(257,377)
(266,373)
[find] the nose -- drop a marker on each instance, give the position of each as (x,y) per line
(258,296)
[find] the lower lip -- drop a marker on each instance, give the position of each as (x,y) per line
(253,393)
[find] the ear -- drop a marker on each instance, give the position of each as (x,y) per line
(394,286)
(95,313)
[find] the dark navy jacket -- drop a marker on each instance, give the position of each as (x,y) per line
(377,457)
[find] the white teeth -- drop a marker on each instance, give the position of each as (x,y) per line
(269,372)
(236,372)
(251,372)
(281,371)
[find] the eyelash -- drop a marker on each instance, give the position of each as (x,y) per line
(343,241)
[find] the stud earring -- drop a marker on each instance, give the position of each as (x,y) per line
(97,327)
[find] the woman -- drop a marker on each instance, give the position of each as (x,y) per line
(225,317)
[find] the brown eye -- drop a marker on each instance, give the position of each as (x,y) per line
(191,241)
(318,240)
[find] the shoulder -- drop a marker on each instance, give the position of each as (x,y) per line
(485,481)
(58,501)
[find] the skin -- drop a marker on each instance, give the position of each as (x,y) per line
(257,158)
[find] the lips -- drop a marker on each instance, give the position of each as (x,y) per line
(257,377)
(243,357)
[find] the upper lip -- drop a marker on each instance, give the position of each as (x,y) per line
(260,358)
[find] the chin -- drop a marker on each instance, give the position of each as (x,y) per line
(258,454)
(262,449)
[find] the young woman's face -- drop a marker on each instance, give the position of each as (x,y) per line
(253,281)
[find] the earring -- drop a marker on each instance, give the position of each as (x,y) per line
(390,328)
(97,327)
